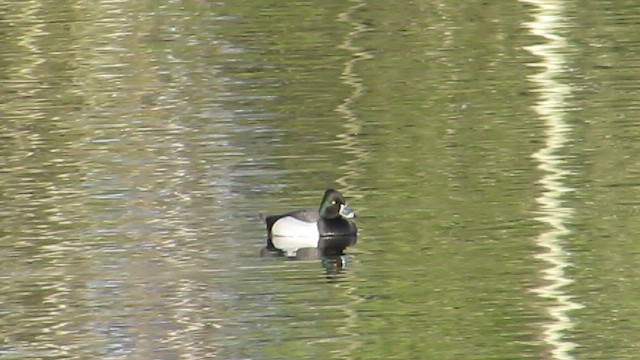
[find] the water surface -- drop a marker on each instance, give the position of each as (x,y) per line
(488,149)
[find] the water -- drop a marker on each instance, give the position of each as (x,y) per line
(490,151)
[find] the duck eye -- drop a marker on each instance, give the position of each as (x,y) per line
(333,202)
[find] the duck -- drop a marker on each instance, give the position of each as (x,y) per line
(330,227)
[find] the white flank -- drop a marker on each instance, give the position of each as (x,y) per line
(289,235)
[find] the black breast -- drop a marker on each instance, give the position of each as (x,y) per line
(336,227)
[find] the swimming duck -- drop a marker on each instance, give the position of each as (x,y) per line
(329,227)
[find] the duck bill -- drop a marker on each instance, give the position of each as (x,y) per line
(346,212)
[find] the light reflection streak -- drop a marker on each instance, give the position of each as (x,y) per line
(348,141)
(352,124)
(548,19)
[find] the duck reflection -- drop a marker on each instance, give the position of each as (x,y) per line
(297,247)
(330,250)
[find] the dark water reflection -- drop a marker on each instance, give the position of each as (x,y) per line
(489,150)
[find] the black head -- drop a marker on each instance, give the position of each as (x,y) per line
(334,206)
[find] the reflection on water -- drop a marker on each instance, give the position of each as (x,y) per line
(352,125)
(548,19)
(100,227)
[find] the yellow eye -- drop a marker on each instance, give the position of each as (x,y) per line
(333,202)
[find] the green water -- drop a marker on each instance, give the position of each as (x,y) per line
(489,150)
